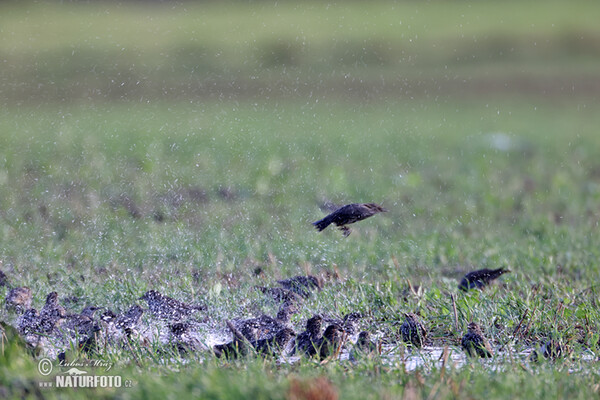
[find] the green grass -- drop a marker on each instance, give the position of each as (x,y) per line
(475,124)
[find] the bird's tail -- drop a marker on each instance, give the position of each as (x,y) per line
(322,223)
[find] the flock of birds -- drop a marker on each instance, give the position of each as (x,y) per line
(262,335)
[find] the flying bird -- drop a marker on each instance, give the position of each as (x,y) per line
(480,278)
(349,214)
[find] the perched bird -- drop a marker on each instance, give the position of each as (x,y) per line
(302,285)
(167,308)
(19,299)
(413,331)
(331,342)
(129,321)
(52,314)
(475,344)
(280,295)
(364,347)
(307,341)
(349,214)
(480,278)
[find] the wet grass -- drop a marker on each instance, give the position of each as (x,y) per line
(204,201)
(202,179)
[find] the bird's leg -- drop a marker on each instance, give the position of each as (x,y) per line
(345,230)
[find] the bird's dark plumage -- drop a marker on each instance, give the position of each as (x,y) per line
(331,342)
(349,214)
(265,326)
(413,331)
(307,341)
(364,347)
(167,308)
(51,314)
(280,294)
(129,321)
(276,344)
(475,344)
(347,324)
(19,299)
(302,285)
(480,278)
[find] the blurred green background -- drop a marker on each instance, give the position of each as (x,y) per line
(439,50)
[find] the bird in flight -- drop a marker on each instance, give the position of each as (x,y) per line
(349,214)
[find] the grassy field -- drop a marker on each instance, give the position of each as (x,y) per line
(186,148)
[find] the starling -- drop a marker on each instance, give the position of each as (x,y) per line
(348,323)
(29,322)
(349,214)
(167,308)
(108,316)
(363,347)
(331,342)
(307,341)
(129,321)
(52,314)
(275,344)
(480,278)
(413,331)
(82,325)
(238,346)
(280,295)
(19,299)
(3,279)
(474,343)
(266,326)
(302,285)
(182,337)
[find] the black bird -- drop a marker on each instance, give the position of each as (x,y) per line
(480,278)
(364,347)
(280,295)
(167,308)
(129,321)
(475,344)
(29,322)
(182,337)
(82,325)
(3,279)
(307,341)
(52,314)
(19,299)
(331,342)
(276,344)
(238,346)
(413,331)
(347,324)
(265,326)
(302,285)
(349,214)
